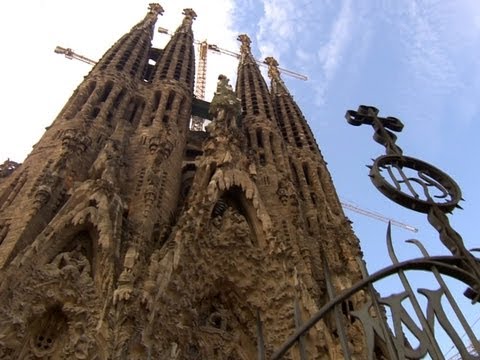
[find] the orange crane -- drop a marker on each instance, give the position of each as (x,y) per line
(197,123)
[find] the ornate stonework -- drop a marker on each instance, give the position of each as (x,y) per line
(124,235)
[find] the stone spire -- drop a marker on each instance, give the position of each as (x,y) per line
(178,59)
(131,51)
(307,167)
(291,121)
(251,87)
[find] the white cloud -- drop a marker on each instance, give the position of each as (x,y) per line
(36,83)
(330,54)
(427,49)
(280,27)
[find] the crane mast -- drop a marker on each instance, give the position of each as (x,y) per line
(197,122)
(201,70)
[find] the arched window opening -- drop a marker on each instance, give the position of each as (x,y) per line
(181,109)
(306,174)
(259,138)
(80,100)
(191,65)
(272,143)
(95,111)
(170,99)
(119,99)
(296,179)
(156,100)
(191,154)
(188,174)
(4,226)
(261,158)
(134,111)
(106,91)
(242,217)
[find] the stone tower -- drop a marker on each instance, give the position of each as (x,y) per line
(124,235)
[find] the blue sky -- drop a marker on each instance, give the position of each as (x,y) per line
(416,60)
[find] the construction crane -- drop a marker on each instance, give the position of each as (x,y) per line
(70,54)
(203,47)
(377,216)
(197,122)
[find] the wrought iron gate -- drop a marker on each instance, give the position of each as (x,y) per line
(421,187)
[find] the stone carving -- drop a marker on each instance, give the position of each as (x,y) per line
(155,8)
(283,191)
(151,190)
(239,227)
(125,281)
(75,141)
(225,105)
(162,147)
(45,188)
(107,164)
(72,265)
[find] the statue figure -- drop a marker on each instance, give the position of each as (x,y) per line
(225,106)
(73,264)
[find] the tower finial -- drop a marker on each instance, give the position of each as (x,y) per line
(273,72)
(187,22)
(155,8)
(278,86)
(245,47)
(189,13)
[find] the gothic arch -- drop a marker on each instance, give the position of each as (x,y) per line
(235,199)
(239,189)
(92,210)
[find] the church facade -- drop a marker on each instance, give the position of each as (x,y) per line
(126,235)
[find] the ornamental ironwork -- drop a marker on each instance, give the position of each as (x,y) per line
(419,186)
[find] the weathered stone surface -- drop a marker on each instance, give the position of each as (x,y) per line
(124,235)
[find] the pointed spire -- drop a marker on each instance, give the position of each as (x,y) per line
(130,53)
(178,59)
(251,86)
(292,123)
(278,87)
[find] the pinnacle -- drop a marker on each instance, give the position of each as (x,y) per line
(155,8)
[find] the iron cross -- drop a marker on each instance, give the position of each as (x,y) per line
(369,115)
